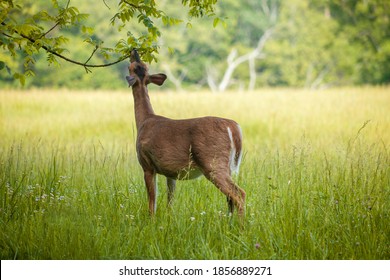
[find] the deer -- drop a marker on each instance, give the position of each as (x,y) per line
(183,149)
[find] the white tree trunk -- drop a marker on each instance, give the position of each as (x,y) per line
(233,62)
(177,81)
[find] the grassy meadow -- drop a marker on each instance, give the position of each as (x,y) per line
(315,170)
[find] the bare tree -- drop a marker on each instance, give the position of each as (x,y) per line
(176,80)
(233,61)
(316,81)
(270,11)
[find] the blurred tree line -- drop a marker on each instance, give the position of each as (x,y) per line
(251,44)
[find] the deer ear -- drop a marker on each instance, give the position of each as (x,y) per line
(131,80)
(157,79)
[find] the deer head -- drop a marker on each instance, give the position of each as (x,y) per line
(139,75)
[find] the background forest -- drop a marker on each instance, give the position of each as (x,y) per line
(253,43)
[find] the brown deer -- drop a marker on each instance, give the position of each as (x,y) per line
(183,149)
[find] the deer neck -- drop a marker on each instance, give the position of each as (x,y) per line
(142,107)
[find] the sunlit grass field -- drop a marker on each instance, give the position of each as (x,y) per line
(315,170)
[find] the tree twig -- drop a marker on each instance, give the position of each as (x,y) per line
(85,64)
(86,68)
(47,32)
(104,1)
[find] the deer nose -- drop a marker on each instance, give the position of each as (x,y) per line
(134,56)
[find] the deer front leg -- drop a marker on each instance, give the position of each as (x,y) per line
(171,183)
(151,187)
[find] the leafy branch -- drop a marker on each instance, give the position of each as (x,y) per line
(57,53)
(24,35)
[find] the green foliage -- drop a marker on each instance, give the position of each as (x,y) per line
(306,50)
(366,25)
(31,27)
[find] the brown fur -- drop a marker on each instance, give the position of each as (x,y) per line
(183,149)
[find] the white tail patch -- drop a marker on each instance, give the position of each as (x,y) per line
(234,159)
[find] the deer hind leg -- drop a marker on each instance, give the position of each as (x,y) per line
(230,205)
(235,195)
(171,183)
(151,187)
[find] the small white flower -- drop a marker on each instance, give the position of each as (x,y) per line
(202,213)
(192,219)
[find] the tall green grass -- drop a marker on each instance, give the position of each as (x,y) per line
(315,169)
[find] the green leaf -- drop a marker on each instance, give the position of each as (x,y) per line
(215,22)
(165,20)
(29,73)
(20,77)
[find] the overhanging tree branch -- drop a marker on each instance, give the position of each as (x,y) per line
(29,31)
(86,65)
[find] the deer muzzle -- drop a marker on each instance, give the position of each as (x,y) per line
(134,56)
